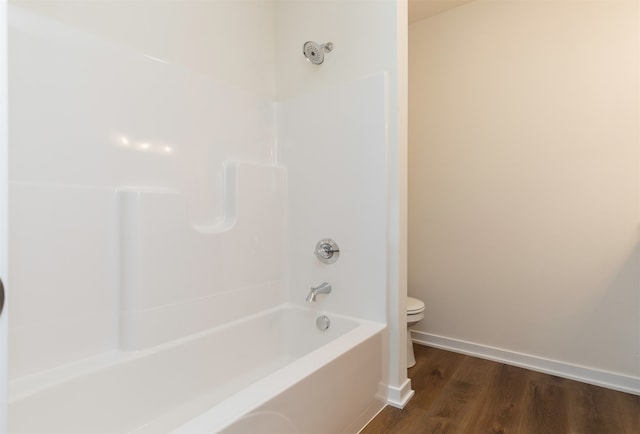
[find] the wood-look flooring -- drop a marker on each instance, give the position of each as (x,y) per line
(462,394)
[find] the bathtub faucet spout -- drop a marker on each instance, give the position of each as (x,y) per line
(323,288)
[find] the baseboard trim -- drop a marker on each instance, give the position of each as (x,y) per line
(396,396)
(596,377)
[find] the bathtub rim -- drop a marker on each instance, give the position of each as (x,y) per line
(24,387)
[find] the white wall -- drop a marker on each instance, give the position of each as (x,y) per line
(364,42)
(148,95)
(524,180)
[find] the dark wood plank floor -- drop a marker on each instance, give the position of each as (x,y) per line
(462,394)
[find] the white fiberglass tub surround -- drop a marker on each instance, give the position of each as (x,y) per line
(266,373)
(165,212)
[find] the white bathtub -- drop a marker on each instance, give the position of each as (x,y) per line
(272,372)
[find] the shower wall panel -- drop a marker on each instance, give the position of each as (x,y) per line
(333,142)
(338,136)
(62,274)
(106,95)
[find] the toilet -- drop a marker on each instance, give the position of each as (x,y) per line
(415,313)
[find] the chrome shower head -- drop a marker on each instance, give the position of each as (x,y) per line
(314,52)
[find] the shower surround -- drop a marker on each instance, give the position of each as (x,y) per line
(171,173)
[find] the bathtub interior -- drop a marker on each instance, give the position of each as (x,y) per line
(163,196)
(160,388)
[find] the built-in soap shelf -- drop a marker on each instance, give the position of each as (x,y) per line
(127,196)
(170,269)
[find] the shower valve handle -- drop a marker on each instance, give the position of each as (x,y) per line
(327,251)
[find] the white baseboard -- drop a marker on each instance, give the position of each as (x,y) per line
(596,377)
(396,396)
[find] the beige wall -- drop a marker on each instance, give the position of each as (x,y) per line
(524,191)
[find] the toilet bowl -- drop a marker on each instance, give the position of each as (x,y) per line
(415,313)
